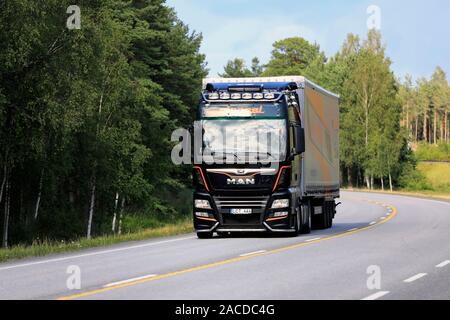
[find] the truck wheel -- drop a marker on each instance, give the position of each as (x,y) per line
(297,226)
(306,223)
(205,235)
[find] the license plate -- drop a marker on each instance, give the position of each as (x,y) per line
(241,211)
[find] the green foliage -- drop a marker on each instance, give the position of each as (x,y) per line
(427,152)
(414,180)
(87,114)
(437,176)
(295,56)
(409,177)
(237,68)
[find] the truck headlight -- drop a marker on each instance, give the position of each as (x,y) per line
(280,204)
(202,204)
(202,214)
(280,214)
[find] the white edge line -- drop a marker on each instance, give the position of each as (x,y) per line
(416,277)
(311,240)
(354,229)
(129,280)
(372,223)
(92,254)
(443,264)
(376,296)
(252,253)
(402,196)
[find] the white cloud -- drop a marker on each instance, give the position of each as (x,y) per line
(248,38)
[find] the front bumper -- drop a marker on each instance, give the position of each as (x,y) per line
(219,218)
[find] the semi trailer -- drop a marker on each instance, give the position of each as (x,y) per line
(269,156)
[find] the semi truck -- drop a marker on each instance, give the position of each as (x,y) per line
(290,187)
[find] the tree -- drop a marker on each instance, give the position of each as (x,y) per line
(257,69)
(236,69)
(369,89)
(439,99)
(293,56)
(406,98)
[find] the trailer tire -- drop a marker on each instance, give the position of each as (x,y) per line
(330,213)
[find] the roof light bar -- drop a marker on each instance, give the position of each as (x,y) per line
(223,96)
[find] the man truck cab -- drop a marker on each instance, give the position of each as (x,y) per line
(268,160)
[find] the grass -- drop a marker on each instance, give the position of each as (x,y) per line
(435,184)
(437,175)
(46,248)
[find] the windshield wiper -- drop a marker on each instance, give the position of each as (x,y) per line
(225,153)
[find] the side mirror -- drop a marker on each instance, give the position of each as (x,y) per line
(299,140)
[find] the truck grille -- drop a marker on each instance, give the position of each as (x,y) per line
(257,204)
(227,203)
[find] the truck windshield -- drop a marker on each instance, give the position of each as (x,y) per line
(245,139)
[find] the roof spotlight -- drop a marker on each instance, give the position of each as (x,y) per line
(213,96)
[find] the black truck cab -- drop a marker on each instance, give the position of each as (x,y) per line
(249,165)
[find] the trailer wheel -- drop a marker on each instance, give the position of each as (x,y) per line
(325,220)
(330,215)
(320,221)
(205,235)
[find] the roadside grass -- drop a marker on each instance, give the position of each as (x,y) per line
(437,175)
(434,183)
(45,248)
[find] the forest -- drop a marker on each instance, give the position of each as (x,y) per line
(87,115)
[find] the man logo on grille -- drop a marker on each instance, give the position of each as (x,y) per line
(241,181)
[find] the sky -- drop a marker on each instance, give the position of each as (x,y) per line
(416,33)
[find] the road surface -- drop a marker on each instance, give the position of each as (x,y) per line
(403,242)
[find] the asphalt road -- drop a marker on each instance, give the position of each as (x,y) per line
(405,241)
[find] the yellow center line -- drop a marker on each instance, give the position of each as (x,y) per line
(228,261)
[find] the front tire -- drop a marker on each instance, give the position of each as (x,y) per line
(306,223)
